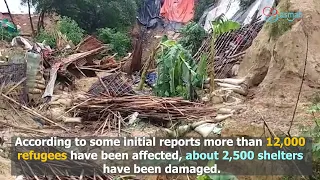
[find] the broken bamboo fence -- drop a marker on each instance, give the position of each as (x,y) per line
(230,48)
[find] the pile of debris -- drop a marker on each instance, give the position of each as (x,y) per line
(148,107)
(64,68)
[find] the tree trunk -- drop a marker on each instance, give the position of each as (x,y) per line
(39,24)
(42,19)
(5,1)
(32,28)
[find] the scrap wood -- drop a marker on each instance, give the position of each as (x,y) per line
(23,128)
(89,43)
(147,107)
(75,57)
(106,66)
(116,84)
(109,59)
(33,112)
(15,86)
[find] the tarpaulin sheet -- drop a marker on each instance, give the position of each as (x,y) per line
(178,10)
(226,7)
(149,13)
(232,10)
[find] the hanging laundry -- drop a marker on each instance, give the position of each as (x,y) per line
(178,10)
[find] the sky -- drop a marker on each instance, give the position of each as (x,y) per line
(15,7)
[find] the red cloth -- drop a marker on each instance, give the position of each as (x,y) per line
(178,10)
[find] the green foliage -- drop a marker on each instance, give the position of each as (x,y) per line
(315,98)
(176,70)
(201,6)
(314,132)
(66,26)
(221,25)
(120,42)
(71,29)
(281,26)
(201,72)
(92,14)
(192,36)
(48,37)
(6,35)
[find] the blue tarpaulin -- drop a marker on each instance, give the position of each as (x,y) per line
(149,13)
(151,78)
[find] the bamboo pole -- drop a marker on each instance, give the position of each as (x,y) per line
(5,1)
(146,67)
(31,23)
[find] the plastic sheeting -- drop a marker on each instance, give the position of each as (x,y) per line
(258,6)
(231,9)
(227,7)
(33,65)
(178,10)
(149,13)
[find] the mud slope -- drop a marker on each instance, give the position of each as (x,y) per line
(276,62)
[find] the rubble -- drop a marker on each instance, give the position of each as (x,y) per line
(111,94)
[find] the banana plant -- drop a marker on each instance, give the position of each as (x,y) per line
(178,73)
(219,26)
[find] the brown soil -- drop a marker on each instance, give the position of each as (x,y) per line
(150,42)
(275,66)
(23,21)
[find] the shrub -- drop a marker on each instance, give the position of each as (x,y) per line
(314,132)
(48,37)
(71,29)
(6,35)
(120,42)
(178,74)
(192,37)
(278,28)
